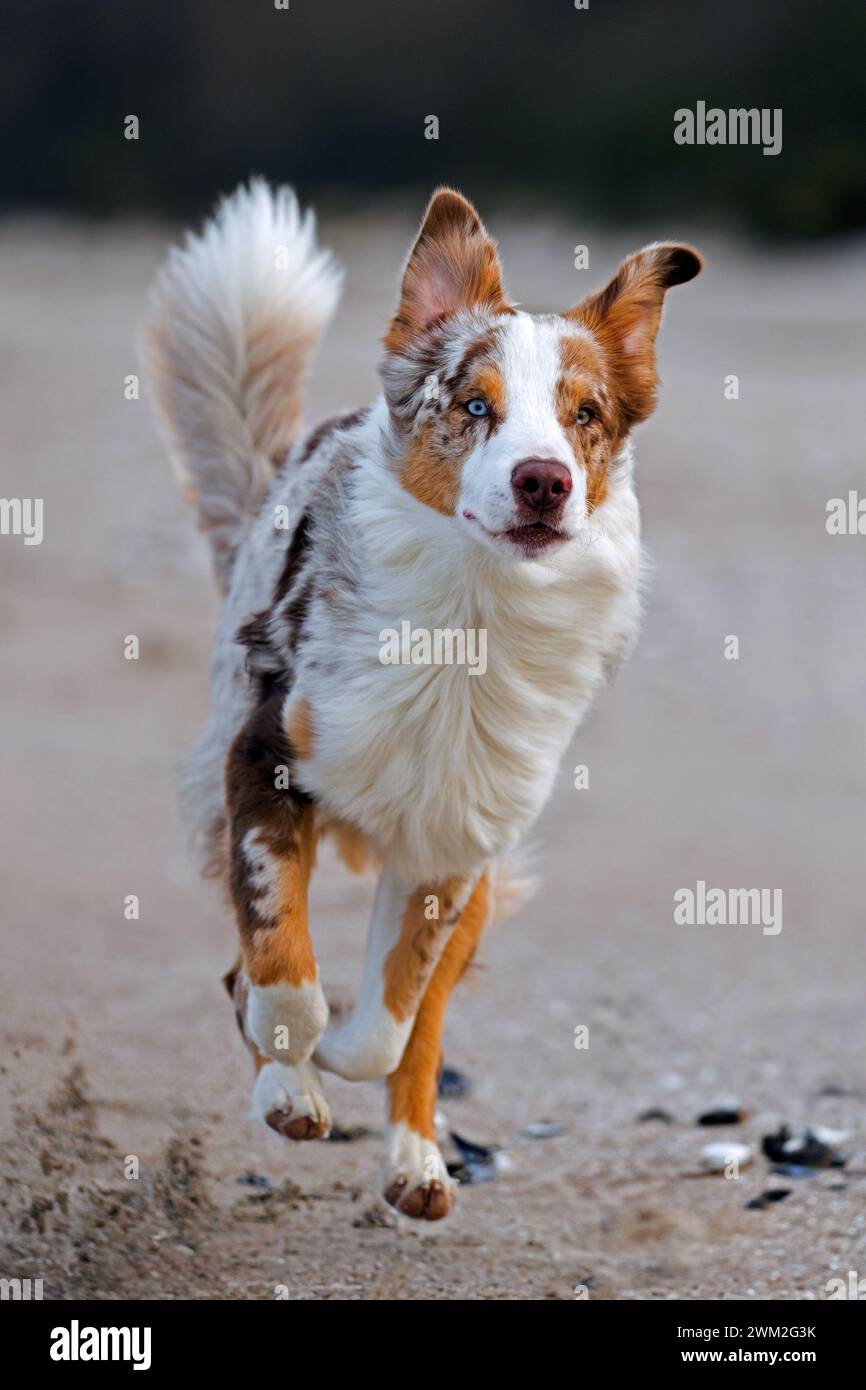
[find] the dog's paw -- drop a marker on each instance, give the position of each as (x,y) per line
(290,1101)
(415,1180)
(286,1021)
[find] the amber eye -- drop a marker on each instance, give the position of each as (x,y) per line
(584,415)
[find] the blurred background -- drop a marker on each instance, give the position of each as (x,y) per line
(538,103)
(117,1036)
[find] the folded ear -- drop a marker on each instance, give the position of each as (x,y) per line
(452,265)
(625,317)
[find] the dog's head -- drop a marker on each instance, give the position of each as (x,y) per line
(509,421)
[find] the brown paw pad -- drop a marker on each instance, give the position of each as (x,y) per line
(428,1201)
(297,1127)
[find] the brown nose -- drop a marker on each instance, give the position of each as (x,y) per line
(540,486)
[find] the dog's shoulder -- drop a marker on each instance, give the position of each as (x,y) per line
(330,432)
(291,539)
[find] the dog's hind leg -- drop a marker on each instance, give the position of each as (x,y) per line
(281,1006)
(408,934)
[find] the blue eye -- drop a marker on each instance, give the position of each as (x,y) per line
(477,406)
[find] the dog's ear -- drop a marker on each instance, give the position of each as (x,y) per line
(452,265)
(625,318)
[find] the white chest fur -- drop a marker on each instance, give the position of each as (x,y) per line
(444,765)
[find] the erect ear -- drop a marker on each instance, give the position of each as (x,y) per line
(625,317)
(452,265)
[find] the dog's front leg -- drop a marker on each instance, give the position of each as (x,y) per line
(408,933)
(288,1099)
(414,1179)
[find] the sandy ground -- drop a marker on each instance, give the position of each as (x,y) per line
(118,1040)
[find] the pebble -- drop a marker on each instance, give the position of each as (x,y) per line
(793,1170)
(338,1135)
(256,1180)
(543,1130)
(723,1116)
(453,1084)
(807,1147)
(766,1199)
(478,1162)
(718,1155)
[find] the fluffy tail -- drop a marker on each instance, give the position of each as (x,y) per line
(236,315)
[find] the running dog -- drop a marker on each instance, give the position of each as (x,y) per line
(488,489)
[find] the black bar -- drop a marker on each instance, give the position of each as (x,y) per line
(201,1336)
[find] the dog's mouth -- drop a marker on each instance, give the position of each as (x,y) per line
(532,537)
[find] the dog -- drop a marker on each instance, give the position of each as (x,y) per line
(489,488)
